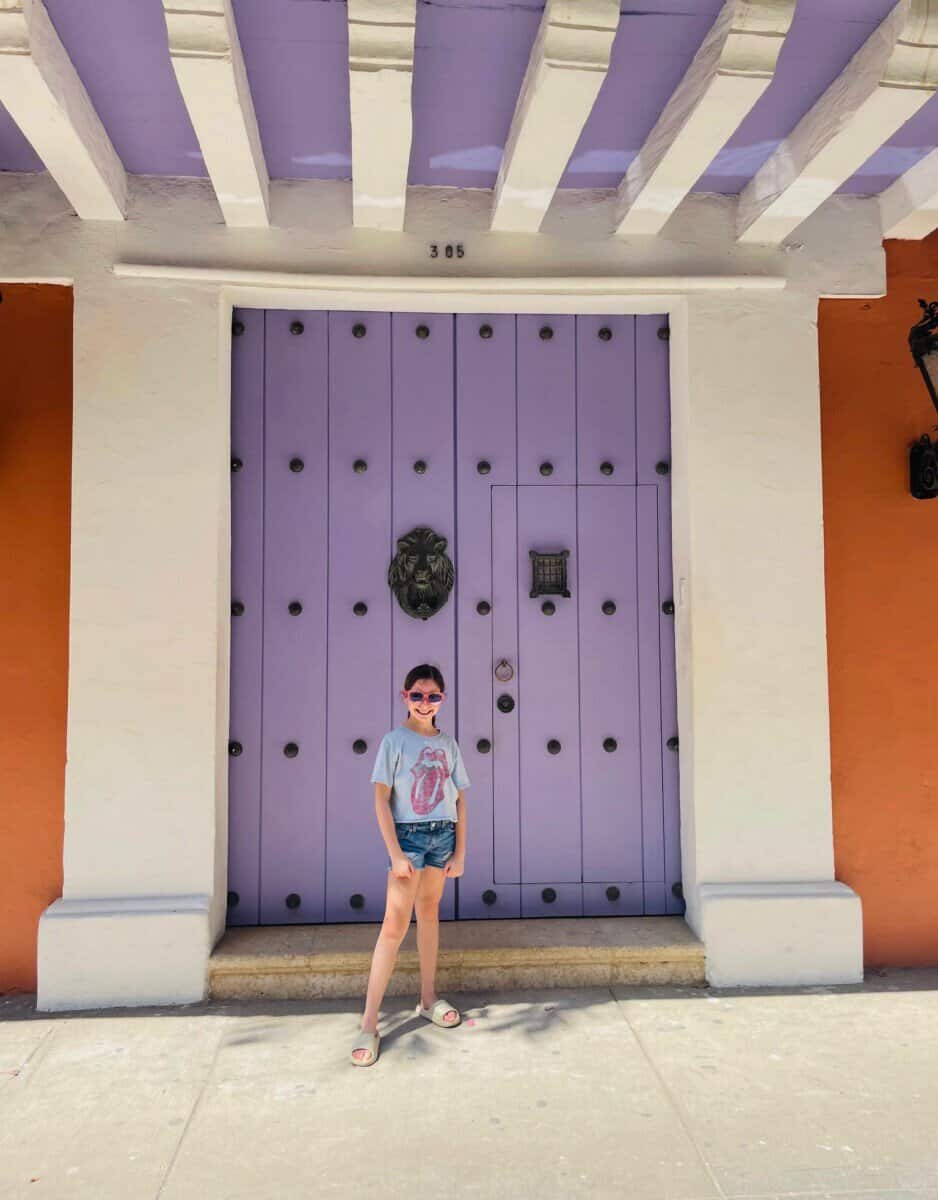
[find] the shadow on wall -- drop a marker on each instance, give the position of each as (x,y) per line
(35,482)
(882,624)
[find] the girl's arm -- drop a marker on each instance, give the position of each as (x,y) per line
(460,851)
(386,818)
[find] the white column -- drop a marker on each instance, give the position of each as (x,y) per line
(757,838)
(146,776)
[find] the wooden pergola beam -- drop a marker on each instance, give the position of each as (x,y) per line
(890,77)
(909,206)
(381,68)
(42,92)
(206,56)
(733,67)
(568,64)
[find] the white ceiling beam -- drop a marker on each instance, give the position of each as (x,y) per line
(40,89)
(909,206)
(886,82)
(206,56)
(568,64)
(381,70)
(733,67)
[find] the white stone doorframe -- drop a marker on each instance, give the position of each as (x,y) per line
(146,863)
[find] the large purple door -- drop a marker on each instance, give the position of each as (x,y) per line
(533,445)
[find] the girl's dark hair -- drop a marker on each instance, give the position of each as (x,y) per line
(424,671)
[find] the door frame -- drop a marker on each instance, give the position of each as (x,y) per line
(574,297)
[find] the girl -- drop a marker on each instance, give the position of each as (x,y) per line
(419,779)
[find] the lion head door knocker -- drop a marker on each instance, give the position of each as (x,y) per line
(421,574)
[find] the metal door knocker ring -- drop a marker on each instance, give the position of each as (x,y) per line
(504,671)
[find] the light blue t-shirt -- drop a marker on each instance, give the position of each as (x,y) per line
(423,773)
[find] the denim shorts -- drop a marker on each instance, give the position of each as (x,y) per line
(426,843)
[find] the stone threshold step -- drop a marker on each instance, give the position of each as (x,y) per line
(289,962)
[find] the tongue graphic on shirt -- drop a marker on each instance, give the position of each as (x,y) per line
(430,772)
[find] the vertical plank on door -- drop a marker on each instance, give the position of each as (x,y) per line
(548,693)
(605,399)
(546,399)
(359,646)
(652,371)
(295,547)
(505,752)
(670,781)
(609,693)
(485,433)
(653,417)
(422,403)
(247,629)
(649,668)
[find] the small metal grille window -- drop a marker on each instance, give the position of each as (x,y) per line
(549,574)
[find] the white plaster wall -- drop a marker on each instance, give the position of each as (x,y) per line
(146,781)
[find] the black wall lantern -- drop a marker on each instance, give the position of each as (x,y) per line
(923,454)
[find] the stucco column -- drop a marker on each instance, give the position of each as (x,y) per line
(145,830)
(757,840)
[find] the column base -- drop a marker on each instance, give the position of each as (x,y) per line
(786,934)
(104,953)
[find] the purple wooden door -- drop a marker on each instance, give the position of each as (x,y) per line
(505,435)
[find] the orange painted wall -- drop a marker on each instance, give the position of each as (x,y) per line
(881,553)
(35,482)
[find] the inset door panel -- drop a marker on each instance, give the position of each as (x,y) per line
(548,701)
(610,696)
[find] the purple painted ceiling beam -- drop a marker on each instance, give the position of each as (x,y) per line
(470,58)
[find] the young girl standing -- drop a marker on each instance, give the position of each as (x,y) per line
(419,779)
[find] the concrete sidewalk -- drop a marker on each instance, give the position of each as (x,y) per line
(673,1092)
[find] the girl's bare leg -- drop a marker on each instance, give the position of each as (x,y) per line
(400,904)
(429,892)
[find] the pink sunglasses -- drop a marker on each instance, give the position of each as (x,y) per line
(430,697)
